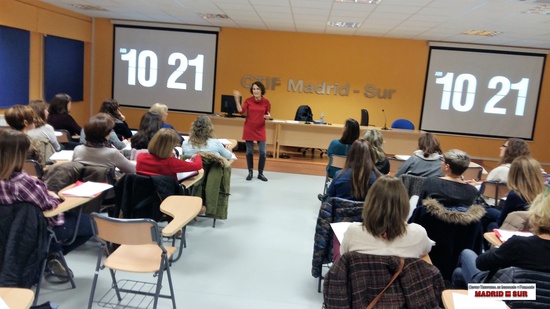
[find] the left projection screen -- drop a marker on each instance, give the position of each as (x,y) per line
(171,66)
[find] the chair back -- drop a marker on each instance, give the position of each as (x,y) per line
(473,172)
(412,183)
(364,117)
(402,124)
(338,161)
(63,136)
(520,275)
(33,168)
(126,231)
(304,113)
(494,190)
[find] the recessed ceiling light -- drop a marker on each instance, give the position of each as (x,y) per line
(214,16)
(88,7)
(481,33)
(543,10)
(359,1)
(344,24)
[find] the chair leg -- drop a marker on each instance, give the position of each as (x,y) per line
(96,275)
(319,283)
(163,266)
(214,223)
(115,285)
(171,286)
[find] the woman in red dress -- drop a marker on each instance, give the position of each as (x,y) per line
(256,109)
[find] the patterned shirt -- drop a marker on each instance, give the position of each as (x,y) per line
(24,188)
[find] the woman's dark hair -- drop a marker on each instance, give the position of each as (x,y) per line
(17,115)
(260,85)
(149,125)
(351,132)
(98,128)
(40,106)
(428,144)
(360,160)
(516,148)
(58,105)
(110,107)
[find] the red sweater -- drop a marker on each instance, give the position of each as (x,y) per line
(151,165)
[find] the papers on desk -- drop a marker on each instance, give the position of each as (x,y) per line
(465,301)
(402,157)
(63,155)
(57,133)
(504,235)
(184,175)
(224,141)
(87,189)
(339,229)
(3,304)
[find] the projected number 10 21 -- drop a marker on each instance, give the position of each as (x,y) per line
(463,94)
(143,66)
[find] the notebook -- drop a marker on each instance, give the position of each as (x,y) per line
(504,235)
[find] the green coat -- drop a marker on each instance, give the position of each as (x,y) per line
(214,187)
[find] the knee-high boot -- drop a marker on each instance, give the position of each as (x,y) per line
(250,164)
(261,165)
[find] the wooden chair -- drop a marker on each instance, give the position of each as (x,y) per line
(334,161)
(33,168)
(473,172)
(63,136)
(141,250)
(494,190)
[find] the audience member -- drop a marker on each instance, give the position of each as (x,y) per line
(450,190)
(354,180)
(16,186)
(59,117)
(97,150)
(160,159)
(384,230)
(41,129)
(162,110)
(424,161)
(113,139)
(149,125)
(376,141)
(201,138)
(341,147)
(112,108)
(525,252)
(21,118)
(257,110)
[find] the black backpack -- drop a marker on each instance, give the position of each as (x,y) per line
(304,113)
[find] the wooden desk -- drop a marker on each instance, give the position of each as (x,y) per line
(232,128)
(17,298)
(187,183)
(69,202)
(492,238)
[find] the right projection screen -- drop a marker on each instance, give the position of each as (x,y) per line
(482,93)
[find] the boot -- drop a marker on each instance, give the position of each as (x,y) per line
(261,164)
(249,177)
(250,164)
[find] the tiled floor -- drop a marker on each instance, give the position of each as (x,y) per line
(260,257)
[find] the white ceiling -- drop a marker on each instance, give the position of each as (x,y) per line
(432,20)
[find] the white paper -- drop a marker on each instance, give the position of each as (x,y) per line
(505,235)
(462,301)
(3,304)
(63,155)
(87,189)
(339,228)
(224,141)
(185,175)
(57,133)
(402,157)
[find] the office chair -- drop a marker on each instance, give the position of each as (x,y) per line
(364,117)
(402,124)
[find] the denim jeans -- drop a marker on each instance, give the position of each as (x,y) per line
(66,231)
(467,272)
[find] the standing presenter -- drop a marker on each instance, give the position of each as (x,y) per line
(256,110)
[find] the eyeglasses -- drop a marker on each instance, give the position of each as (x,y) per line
(504,146)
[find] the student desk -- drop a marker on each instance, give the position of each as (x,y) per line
(298,134)
(17,297)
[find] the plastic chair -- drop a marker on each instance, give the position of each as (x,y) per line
(473,172)
(33,168)
(402,124)
(334,161)
(494,190)
(141,250)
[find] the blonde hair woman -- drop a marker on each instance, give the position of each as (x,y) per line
(201,138)
(162,110)
(161,161)
(376,140)
(384,230)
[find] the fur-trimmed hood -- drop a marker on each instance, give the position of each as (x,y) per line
(454,215)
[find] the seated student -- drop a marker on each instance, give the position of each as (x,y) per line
(149,124)
(358,174)
(450,190)
(59,117)
(341,147)
(377,143)
(113,140)
(161,161)
(21,118)
(16,186)
(162,110)
(42,130)
(425,161)
(97,150)
(201,138)
(112,108)
(525,182)
(384,230)
(525,252)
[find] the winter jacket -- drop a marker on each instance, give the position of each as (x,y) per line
(214,186)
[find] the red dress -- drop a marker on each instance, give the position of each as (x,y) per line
(254,125)
(151,165)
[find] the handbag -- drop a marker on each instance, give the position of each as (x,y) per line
(375,300)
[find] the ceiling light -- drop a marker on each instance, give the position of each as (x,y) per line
(481,33)
(214,16)
(344,24)
(359,1)
(88,7)
(543,10)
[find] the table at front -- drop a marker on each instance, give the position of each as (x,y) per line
(282,133)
